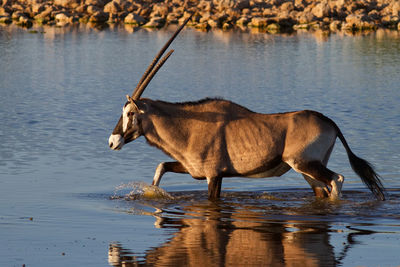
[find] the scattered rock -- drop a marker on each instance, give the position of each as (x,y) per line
(335,25)
(242,4)
(301,26)
(98,3)
(134,19)
(24,21)
(67,3)
(5,19)
(160,10)
(389,21)
(304,17)
(396,9)
(172,18)
(91,9)
(112,7)
(354,20)
(243,21)
(6,3)
(227,26)
(62,18)
(38,8)
(358,22)
(155,22)
(258,22)
(99,17)
(321,10)
(16,15)
(203,26)
(4,11)
(45,16)
(273,28)
(287,7)
(213,23)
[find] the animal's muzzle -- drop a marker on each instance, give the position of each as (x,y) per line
(116,141)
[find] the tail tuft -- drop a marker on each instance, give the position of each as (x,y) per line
(363,169)
(368,175)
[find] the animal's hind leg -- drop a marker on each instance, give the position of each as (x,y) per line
(320,189)
(337,183)
(317,171)
(164,167)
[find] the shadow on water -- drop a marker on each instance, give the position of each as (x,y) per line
(280,228)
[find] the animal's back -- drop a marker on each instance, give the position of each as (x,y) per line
(214,105)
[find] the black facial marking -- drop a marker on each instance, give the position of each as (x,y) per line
(118,127)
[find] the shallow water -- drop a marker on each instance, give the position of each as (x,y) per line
(65,198)
(278,228)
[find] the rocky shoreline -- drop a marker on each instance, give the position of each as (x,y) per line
(271,15)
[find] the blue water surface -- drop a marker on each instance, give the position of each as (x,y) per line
(61,94)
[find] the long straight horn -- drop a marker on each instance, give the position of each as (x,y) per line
(146,76)
(136,95)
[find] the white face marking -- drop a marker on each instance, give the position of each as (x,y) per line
(116,141)
(125,118)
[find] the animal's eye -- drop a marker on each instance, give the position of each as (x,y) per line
(130,113)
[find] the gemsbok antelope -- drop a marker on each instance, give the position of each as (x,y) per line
(215,138)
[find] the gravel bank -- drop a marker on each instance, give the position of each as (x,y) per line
(270,15)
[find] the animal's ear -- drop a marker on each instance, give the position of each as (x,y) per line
(129,98)
(141,110)
(135,107)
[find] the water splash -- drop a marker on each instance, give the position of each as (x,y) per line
(140,190)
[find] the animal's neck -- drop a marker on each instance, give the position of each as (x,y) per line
(165,134)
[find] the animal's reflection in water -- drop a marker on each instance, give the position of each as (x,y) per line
(210,235)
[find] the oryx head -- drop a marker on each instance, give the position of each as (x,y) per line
(128,127)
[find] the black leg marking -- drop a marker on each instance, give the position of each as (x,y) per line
(174,166)
(316,170)
(214,188)
(164,167)
(319,188)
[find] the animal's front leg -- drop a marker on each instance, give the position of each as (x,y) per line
(164,167)
(214,187)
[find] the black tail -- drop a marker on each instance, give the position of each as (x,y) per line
(364,169)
